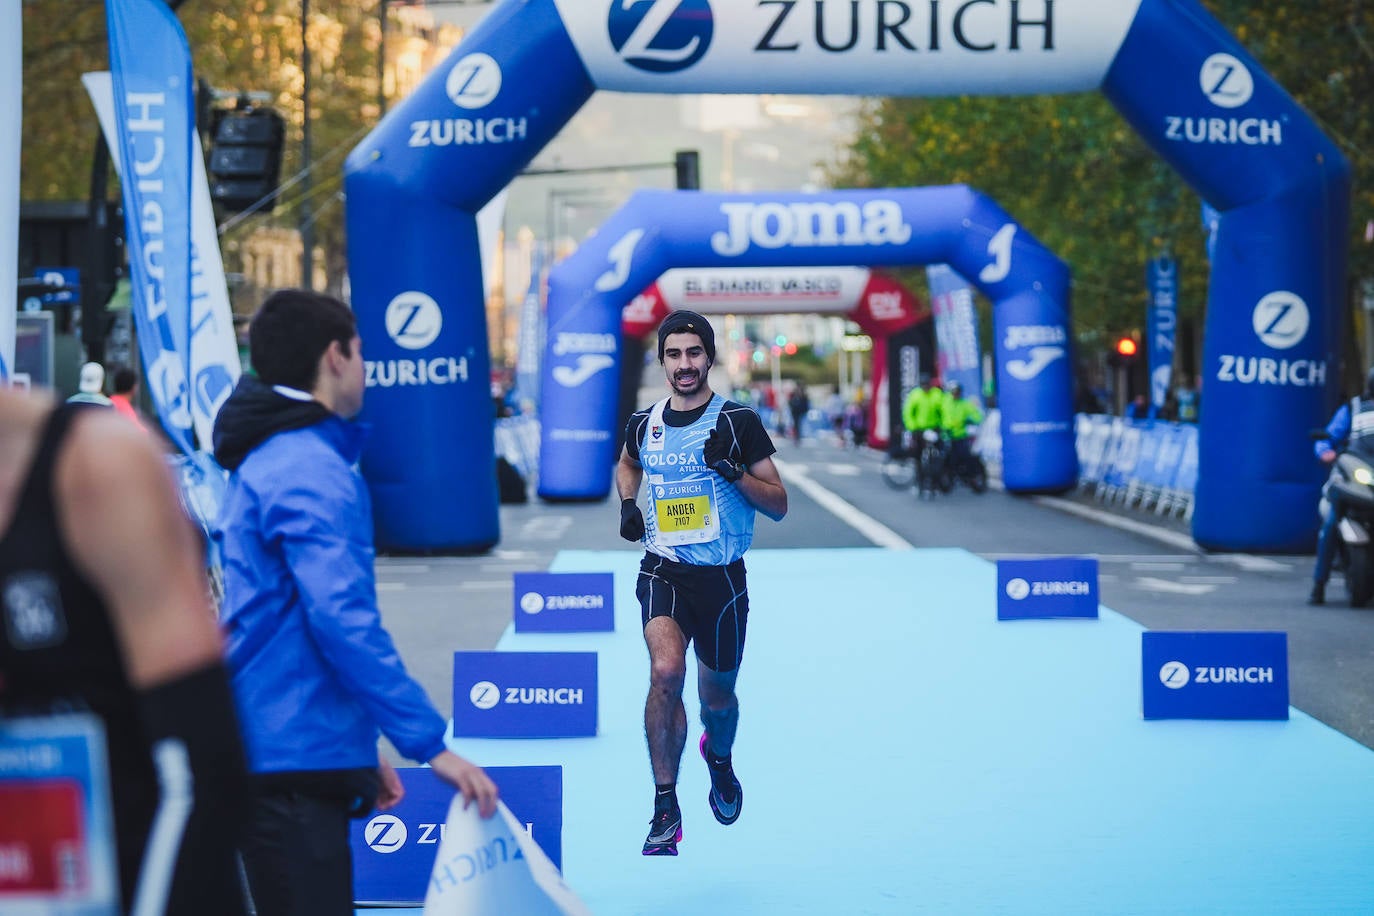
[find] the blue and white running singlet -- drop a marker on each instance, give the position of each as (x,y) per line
(695,516)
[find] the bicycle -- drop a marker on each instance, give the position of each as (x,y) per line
(900,468)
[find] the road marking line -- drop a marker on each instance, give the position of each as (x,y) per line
(1176,588)
(1251,563)
(866,525)
(1172,538)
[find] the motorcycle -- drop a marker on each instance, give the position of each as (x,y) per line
(1350,491)
(971,471)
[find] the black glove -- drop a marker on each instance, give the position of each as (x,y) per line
(717,456)
(631,520)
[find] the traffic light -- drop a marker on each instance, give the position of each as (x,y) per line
(687,165)
(245,157)
(1127,349)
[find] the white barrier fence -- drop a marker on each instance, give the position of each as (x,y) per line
(1145,464)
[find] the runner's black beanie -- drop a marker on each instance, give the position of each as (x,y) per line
(684,320)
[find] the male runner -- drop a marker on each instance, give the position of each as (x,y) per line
(710,468)
(110,650)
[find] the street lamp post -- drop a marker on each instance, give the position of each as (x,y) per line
(381,59)
(307,225)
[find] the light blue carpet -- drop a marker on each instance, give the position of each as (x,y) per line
(902,751)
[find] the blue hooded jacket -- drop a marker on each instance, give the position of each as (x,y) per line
(315,674)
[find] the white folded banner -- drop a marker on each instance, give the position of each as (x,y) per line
(492,867)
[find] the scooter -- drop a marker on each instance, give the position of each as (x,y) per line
(1350,491)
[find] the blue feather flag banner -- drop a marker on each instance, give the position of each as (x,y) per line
(150,63)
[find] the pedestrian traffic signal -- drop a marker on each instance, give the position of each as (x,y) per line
(245,157)
(687,165)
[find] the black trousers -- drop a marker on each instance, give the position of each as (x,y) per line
(296,855)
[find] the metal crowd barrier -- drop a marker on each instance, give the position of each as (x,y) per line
(1145,464)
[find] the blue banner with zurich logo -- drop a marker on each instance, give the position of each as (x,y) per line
(1161,324)
(1214,675)
(150,63)
(524,694)
(393,851)
(1040,588)
(564,602)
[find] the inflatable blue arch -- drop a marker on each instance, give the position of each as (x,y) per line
(1193,93)
(660,230)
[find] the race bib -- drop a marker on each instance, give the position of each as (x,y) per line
(57,851)
(685,512)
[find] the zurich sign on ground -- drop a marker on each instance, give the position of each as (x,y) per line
(1037,589)
(524,694)
(1214,675)
(393,851)
(564,602)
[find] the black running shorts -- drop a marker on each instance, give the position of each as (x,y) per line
(709,603)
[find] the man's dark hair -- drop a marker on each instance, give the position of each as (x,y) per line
(290,333)
(124,380)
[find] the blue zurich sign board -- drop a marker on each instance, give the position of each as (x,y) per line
(564,602)
(1041,588)
(68,277)
(1214,675)
(393,851)
(524,694)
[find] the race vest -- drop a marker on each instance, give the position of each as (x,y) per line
(695,516)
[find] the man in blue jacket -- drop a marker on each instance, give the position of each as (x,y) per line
(315,674)
(1352,423)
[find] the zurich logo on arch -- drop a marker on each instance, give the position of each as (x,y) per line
(414,320)
(661,36)
(474,82)
(1281,320)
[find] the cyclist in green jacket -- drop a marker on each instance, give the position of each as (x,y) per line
(958,415)
(923,412)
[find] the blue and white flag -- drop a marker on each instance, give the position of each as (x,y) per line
(956,330)
(215,365)
(150,63)
(11,106)
(1161,321)
(1211,221)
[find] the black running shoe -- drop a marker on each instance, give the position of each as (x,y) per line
(721,782)
(665,832)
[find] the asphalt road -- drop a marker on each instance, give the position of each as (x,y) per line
(436,605)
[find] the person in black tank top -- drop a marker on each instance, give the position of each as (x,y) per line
(105,616)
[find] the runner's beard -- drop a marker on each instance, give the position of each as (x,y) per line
(685,390)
